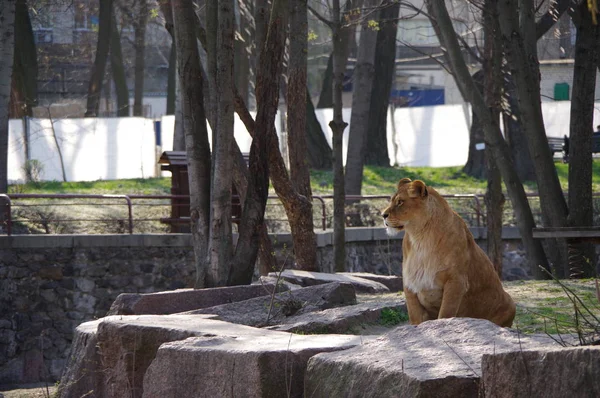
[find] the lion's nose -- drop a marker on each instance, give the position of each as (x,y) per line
(384,215)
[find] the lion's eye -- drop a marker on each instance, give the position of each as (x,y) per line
(400,203)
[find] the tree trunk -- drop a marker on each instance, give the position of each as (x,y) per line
(196,133)
(364,74)
(243,52)
(140,58)
(171,80)
(118,70)
(97,74)
(517,141)
(25,68)
(212,15)
(347,37)
(492,92)
(267,94)
(337,126)
(7,45)
(493,136)
(582,256)
(385,69)
(296,99)
(221,245)
(318,150)
(517,25)
(476,163)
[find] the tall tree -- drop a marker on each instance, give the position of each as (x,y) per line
(98,69)
(196,132)
(25,68)
(337,127)
(141,21)
(493,137)
(364,74)
(7,37)
(118,69)
(318,149)
(385,66)
(518,29)
(221,245)
(264,140)
(580,143)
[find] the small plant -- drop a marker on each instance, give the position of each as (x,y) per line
(392,317)
(33,170)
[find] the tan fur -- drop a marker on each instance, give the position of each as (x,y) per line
(445,273)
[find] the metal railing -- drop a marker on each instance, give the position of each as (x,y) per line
(127,221)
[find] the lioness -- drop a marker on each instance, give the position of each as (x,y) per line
(445,273)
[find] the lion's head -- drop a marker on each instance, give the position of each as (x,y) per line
(408,203)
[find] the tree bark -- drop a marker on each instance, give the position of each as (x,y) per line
(196,133)
(582,256)
(7,45)
(171,80)
(140,58)
(221,245)
(492,92)
(385,67)
(243,52)
(97,74)
(476,163)
(338,126)
(118,70)
(24,94)
(364,74)
(500,153)
(267,95)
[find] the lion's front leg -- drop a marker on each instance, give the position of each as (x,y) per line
(416,312)
(454,291)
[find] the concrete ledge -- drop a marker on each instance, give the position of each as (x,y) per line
(324,239)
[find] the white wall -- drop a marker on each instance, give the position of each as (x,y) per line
(92,148)
(111,148)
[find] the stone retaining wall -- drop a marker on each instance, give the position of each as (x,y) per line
(49,284)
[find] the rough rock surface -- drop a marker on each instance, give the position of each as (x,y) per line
(439,358)
(341,320)
(566,372)
(255,312)
(181,300)
(392,282)
(83,376)
(265,279)
(269,366)
(307,278)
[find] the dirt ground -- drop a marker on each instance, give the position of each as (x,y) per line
(37,390)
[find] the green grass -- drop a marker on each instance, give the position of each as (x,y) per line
(376,181)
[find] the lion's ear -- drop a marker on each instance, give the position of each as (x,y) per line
(403,181)
(417,189)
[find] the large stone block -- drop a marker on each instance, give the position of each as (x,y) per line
(270,366)
(263,311)
(181,300)
(83,376)
(440,358)
(307,278)
(351,319)
(567,372)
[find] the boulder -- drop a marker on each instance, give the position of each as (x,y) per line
(565,372)
(392,282)
(440,358)
(181,300)
(271,366)
(256,311)
(308,278)
(352,319)
(265,279)
(83,376)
